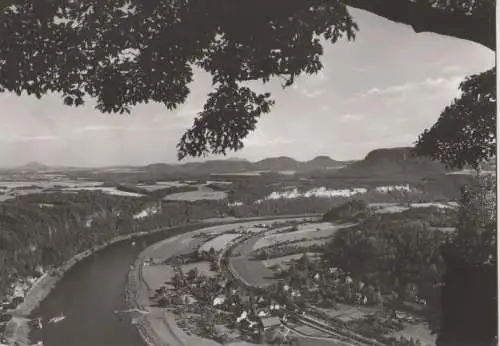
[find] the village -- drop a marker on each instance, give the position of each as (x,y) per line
(305,298)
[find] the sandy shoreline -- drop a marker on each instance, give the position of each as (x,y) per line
(158,328)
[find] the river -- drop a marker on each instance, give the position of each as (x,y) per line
(93,289)
(89,293)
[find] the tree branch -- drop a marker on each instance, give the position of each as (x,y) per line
(424,18)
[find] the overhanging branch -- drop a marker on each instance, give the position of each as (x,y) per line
(423,18)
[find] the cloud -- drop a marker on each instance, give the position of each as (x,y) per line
(308,92)
(395,89)
(452,69)
(130,128)
(259,139)
(359,69)
(428,83)
(312,86)
(351,117)
(312,93)
(98,128)
(37,138)
(16,138)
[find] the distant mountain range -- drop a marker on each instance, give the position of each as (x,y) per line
(33,166)
(392,162)
(275,164)
(381,163)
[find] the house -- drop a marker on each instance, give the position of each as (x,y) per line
(333,270)
(271,322)
(274,329)
(219,300)
(242,317)
(274,307)
(262,313)
(252,324)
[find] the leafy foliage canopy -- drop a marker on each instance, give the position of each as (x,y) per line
(465,133)
(122,53)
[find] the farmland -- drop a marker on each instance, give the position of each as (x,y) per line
(254,273)
(75,210)
(219,242)
(203,193)
(309,231)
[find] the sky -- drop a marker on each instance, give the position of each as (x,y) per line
(378,91)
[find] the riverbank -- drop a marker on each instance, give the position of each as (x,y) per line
(158,326)
(18,330)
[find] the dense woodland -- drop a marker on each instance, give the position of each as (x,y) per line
(48,229)
(406,255)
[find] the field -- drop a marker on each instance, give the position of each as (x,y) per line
(251,173)
(312,341)
(156,275)
(219,243)
(310,331)
(203,193)
(284,261)
(252,272)
(108,190)
(10,189)
(417,331)
(160,185)
(348,313)
(308,243)
(309,231)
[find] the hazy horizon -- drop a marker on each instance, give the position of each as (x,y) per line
(212,158)
(379,91)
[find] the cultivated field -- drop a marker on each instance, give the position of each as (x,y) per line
(40,184)
(203,193)
(161,185)
(220,242)
(108,190)
(156,275)
(348,313)
(252,272)
(417,331)
(285,261)
(310,231)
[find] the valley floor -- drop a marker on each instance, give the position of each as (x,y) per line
(159,325)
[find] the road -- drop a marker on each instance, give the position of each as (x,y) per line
(91,291)
(251,280)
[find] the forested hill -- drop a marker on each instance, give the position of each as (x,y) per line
(393,162)
(47,229)
(273,164)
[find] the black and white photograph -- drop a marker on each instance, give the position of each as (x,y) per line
(248,173)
